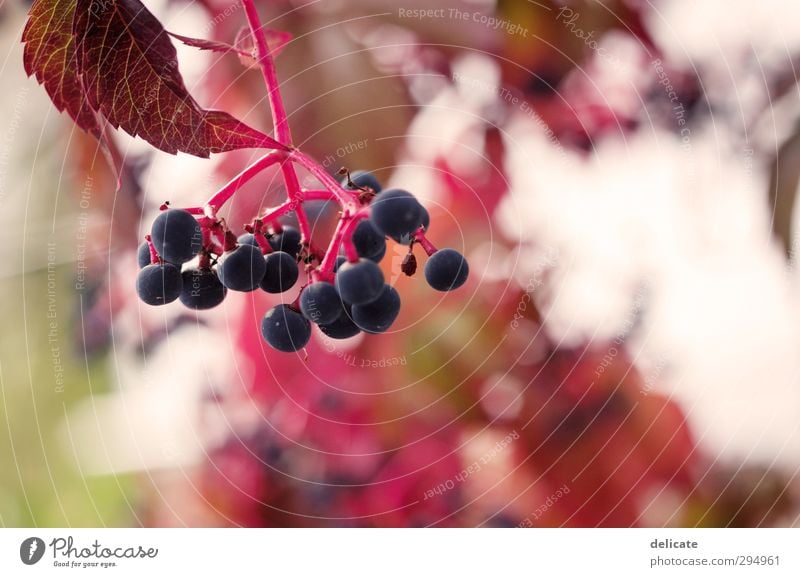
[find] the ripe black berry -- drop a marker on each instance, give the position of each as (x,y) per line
(247,238)
(176,236)
(242,268)
(288,241)
(285,329)
(343,327)
(159,284)
(378,315)
(281,272)
(202,289)
(320,303)
(143,255)
(368,241)
(396,213)
(359,282)
(446,270)
(424,222)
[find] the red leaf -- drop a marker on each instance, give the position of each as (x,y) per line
(242,46)
(130,74)
(49,54)
(212,45)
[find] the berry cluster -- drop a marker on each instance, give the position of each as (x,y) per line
(198,259)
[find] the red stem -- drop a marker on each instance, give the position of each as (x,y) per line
(295,194)
(422,240)
(349,249)
(196,210)
(318,195)
(154,258)
(347,198)
(325,270)
(282,131)
(227,191)
(342,234)
(205,227)
(263,243)
(279,211)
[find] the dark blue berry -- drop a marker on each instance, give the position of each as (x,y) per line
(288,241)
(369,242)
(143,255)
(446,270)
(378,315)
(242,268)
(343,327)
(247,238)
(202,289)
(379,257)
(281,272)
(424,222)
(396,213)
(320,303)
(285,329)
(359,282)
(340,260)
(177,236)
(159,284)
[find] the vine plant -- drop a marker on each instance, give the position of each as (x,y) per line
(110,64)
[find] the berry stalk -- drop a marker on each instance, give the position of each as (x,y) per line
(154,258)
(347,198)
(318,195)
(341,236)
(282,131)
(226,192)
(422,240)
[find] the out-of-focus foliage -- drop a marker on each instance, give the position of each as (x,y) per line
(473,410)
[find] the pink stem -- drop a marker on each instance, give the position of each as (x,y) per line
(295,193)
(279,211)
(422,240)
(154,258)
(263,243)
(212,242)
(342,234)
(205,227)
(258,233)
(325,270)
(282,130)
(227,191)
(347,198)
(197,210)
(350,249)
(318,195)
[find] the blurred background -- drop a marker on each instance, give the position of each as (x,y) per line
(621,176)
